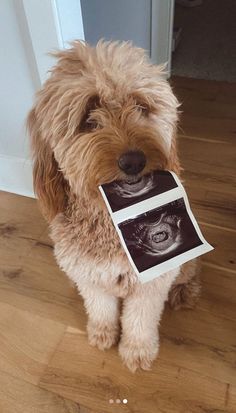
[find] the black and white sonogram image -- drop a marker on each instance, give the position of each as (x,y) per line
(121,194)
(160,234)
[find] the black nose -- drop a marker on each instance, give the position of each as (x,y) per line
(132,162)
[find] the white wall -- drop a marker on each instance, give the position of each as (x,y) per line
(17,88)
(28,30)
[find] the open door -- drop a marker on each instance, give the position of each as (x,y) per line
(148,24)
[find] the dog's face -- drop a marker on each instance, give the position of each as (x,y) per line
(105,113)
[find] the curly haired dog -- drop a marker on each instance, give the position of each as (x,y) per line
(100,106)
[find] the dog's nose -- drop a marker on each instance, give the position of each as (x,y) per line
(132,162)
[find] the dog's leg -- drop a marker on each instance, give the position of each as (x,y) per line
(186,289)
(103,317)
(141,315)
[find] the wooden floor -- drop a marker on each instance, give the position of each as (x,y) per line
(46,365)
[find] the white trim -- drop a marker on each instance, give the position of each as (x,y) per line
(161,32)
(51,25)
(26,39)
(71,21)
(16,176)
(44,31)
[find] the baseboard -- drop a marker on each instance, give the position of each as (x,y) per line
(16,176)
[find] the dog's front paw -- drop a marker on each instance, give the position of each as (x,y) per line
(138,354)
(102,336)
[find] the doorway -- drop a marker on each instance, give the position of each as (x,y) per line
(206,40)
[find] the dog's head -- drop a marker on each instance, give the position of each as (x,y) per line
(105,113)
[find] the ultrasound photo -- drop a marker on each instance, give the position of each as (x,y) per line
(121,194)
(160,234)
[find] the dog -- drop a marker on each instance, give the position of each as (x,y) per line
(106,113)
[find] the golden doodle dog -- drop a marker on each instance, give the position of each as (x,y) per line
(106,113)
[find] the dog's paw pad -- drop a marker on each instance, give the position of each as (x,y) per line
(102,337)
(139,355)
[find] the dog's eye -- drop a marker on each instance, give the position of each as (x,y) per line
(87,122)
(144,109)
(91,124)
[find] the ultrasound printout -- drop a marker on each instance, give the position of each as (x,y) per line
(155,224)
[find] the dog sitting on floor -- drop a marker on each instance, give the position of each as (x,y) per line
(106,113)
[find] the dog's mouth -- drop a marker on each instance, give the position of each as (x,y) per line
(133,180)
(135,185)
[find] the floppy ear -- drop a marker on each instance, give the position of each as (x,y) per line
(49,183)
(173,159)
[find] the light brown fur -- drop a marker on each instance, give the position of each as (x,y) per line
(97,104)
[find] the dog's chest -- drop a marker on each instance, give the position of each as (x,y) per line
(87,234)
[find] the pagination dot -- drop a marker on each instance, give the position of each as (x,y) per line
(118,401)
(111,401)
(125,401)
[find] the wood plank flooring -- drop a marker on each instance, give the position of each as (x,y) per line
(46,364)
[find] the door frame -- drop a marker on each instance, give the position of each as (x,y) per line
(48,29)
(162,20)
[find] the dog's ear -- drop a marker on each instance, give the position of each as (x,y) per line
(49,183)
(173,159)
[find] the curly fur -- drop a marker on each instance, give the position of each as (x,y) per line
(98,103)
